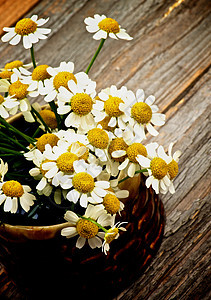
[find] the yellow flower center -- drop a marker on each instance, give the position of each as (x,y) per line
(109,25)
(12,188)
(43,172)
(65,162)
(98,138)
(117,144)
(49,118)
(1,99)
(173,169)
(111,235)
(141,112)
(86,228)
(18,89)
(47,138)
(13,64)
(111,203)
(81,104)
(6,74)
(85,155)
(25,27)
(83,182)
(62,78)
(40,73)
(104,124)
(134,150)
(111,106)
(158,167)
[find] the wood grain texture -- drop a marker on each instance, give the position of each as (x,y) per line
(170,58)
(11,11)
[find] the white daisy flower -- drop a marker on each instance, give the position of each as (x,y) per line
(157,165)
(60,77)
(104,27)
(142,114)
(14,70)
(8,106)
(60,162)
(28,29)
(86,226)
(11,192)
(173,168)
(18,90)
(77,102)
(3,169)
(112,234)
(84,187)
(109,106)
(130,164)
(98,142)
(37,79)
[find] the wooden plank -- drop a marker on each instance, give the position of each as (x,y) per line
(181,268)
(12,11)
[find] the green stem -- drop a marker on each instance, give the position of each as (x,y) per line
(11,151)
(41,119)
(12,128)
(95,55)
(13,141)
(127,177)
(32,56)
(58,118)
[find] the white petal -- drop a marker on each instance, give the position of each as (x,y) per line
(143,161)
(73,196)
(158,119)
(100,35)
(150,100)
(151,130)
(26,42)
(80,242)
(155,185)
(8,36)
(69,232)
(102,184)
(71,217)
(15,40)
(83,200)
(131,170)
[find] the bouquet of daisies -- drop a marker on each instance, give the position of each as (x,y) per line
(67,159)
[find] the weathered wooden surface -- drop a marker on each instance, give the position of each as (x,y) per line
(170,58)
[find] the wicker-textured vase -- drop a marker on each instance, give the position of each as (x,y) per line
(42,264)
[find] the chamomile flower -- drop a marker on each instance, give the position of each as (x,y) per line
(3,169)
(37,79)
(60,77)
(173,168)
(130,165)
(8,106)
(84,188)
(11,192)
(86,226)
(112,234)
(60,162)
(28,29)
(104,27)
(18,90)
(142,114)
(157,165)
(77,102)
(14,70)
(98,142)
(109,106)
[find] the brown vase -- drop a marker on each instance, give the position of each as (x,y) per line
(45,265)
